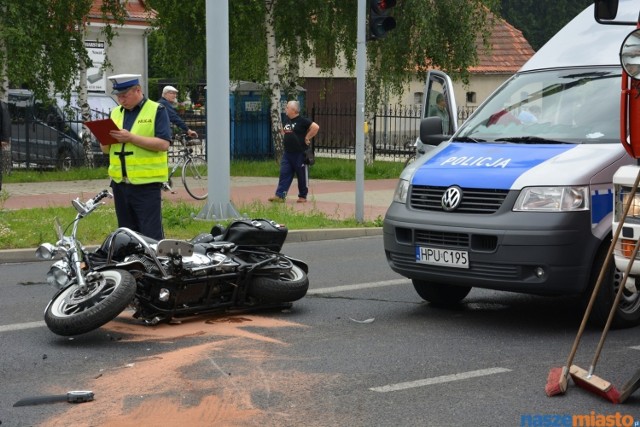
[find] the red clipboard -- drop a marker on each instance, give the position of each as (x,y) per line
(101,129)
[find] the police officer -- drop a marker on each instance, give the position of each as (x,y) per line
(138,161)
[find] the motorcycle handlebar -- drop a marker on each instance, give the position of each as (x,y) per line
(101,195)
(91,204)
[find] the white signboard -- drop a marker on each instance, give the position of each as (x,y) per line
(96,77)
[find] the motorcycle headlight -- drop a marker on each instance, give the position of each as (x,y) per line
(46,251)
(553,199)
(58,275)
(402,190)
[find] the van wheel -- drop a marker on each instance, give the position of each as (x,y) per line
(627,314)
(439,294)
(65,161)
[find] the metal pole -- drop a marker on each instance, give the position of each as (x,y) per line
(361,65)
(218,137)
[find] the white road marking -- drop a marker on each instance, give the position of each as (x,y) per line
(356,287)
(636,347)
(19,326)
(440,380)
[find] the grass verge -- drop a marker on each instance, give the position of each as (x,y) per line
(325,168)
(27,228)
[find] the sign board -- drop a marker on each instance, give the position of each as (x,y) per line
(96,77)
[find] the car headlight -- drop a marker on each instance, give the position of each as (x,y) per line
(402,190)
(553,199)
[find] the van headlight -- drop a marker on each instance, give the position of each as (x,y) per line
(402,190)
(553,199)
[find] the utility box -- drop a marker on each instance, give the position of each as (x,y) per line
(251,136)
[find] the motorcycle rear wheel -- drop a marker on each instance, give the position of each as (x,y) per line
(73,312)
(285,287)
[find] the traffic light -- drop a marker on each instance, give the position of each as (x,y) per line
(379,20)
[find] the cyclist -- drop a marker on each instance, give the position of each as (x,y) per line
(169,95)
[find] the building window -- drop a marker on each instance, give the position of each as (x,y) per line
(471,97)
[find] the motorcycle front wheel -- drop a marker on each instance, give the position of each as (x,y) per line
(284,287)
(74,311)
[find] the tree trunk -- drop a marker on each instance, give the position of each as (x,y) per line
(274,79)
(85,113)
(5,120)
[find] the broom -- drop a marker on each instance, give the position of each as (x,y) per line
(558,377)
(586,379)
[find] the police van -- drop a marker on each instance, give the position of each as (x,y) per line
(520,197)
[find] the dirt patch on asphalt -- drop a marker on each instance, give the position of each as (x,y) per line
(227,381)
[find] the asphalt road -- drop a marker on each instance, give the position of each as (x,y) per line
(361,349)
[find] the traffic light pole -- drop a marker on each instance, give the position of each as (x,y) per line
(361,66)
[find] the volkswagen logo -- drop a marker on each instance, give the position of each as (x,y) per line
(451,198)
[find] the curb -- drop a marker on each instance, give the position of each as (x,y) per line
(8,256)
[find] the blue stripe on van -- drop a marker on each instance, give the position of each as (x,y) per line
(484,165)
(601,205)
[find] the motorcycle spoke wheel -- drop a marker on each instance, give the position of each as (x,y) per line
(74,311)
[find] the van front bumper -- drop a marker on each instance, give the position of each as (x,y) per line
(525,252)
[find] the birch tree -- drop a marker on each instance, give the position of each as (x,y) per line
(42,45)
(270,38)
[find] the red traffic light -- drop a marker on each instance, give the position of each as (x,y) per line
(379,20)
(380,6)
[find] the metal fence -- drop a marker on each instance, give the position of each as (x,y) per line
(44,136)
(394,130)
(37,140)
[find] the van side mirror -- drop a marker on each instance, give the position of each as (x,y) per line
(630,95)
(605,10)
(431,131)
(630,54)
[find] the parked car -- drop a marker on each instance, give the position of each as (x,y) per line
(50,133)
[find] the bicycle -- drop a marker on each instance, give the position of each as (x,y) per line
(194,168)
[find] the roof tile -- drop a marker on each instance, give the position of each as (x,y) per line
(509,50)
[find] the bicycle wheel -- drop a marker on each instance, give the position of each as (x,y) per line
(194,177)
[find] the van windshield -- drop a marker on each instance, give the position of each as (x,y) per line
(557,106)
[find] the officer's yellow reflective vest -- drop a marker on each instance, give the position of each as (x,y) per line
(142,166)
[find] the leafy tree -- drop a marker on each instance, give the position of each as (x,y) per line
(270,38)
(42,45)
(539,20)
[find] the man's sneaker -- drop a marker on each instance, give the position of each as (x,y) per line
(301,200)
(276,199)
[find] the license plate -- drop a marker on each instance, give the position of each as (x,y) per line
(442,257)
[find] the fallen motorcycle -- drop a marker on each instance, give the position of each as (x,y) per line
(238,267)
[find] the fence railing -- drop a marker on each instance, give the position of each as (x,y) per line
(394,129)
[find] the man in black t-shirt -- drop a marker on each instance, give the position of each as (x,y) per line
(298,131)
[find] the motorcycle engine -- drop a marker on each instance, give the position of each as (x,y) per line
(195,260)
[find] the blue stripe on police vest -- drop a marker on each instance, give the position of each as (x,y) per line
(484,165)
(601,205)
